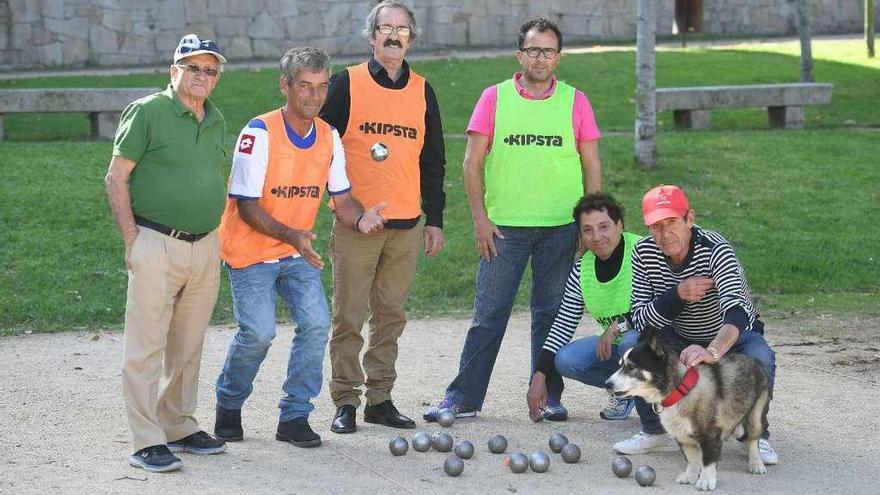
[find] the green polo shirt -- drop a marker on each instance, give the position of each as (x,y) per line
(178,176)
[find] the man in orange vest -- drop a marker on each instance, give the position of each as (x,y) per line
(284,161)
(389,121)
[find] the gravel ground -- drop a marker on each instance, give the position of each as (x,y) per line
(62,428)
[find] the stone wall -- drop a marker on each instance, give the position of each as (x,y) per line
(78,33)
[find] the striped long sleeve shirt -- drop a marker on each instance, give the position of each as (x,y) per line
(655,300)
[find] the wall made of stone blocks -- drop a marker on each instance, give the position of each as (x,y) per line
(78,33)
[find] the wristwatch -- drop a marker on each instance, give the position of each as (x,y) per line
(622,325)
(714,352)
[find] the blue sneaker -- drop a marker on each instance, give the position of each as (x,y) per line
(617,408)
(555,411)
(460,410)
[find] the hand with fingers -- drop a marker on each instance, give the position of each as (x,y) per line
(603,347)
(484,234)
(693,355)
(371,220)
(433,240)
(302,241)
(693,289)
(536,397)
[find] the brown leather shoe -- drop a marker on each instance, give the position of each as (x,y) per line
(386,414)
(345,420)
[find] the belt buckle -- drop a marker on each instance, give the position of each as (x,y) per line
(177,234)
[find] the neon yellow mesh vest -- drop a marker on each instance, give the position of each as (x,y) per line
(607,300)
(533,172)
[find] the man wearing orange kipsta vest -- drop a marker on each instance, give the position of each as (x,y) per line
(382,105)
(283,162)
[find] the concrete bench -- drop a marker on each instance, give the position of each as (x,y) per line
(102,104)
(784,102)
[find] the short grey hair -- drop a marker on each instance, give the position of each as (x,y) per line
(303,57)
(370,24)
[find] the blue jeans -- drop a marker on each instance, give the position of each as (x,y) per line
(253,297)
(551,252)
(578,360)
(750,343)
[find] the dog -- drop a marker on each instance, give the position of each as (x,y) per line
(727,397)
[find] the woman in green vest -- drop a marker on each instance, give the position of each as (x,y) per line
(599,282)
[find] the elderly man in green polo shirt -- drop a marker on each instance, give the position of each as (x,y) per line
(167,192)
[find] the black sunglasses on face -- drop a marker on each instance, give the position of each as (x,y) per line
(195,69)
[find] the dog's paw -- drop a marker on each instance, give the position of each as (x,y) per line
(687,478)
(706,483)
(757,467)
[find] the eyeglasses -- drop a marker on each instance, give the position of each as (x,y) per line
(195,69)
(535,52)
(402,31)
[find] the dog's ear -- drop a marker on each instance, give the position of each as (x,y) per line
(652,339)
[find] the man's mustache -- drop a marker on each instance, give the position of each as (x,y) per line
(390,42)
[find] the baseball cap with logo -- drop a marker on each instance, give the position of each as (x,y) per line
(662,202)
(191,45)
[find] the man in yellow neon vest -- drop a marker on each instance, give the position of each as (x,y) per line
(522,174)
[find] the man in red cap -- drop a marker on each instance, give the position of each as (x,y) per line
(688,283)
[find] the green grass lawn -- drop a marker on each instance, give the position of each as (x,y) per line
(800,207)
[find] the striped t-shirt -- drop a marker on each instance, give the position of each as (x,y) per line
(655,300)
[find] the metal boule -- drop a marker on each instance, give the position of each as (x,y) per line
(518,462)
(464,449)
(442,442)
(557,441)
(379,152)
(421,442)
(571,453)
(645,475)
(621,466)
(446,418)
(539,462)
(497,444)
(398,446)
(453,465)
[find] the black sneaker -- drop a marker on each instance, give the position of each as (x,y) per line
(199,443)
(155,459)
(227,424)
(298,432)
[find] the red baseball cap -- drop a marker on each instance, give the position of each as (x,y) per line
(664,201)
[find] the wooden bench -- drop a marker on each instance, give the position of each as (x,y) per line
(102,104)
(784,102)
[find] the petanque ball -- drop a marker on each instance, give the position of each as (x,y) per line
(518,462)
(464,449)
(539,462)
(379,152)
(442,442)
(421,442)
(398,446)
(571,453)
(446,418)
(557,441)
(645,475)
(621,466)
(453,465)
(497,444)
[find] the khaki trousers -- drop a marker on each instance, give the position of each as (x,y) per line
(172,288)
(375,272)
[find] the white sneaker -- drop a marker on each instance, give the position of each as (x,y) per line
(768,455)
(642,443)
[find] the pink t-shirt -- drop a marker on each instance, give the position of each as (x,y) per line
(582,119)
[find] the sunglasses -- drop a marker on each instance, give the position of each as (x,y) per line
(195,69)
(402,31)
(535,52)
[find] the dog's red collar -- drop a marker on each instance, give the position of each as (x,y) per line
(687,384)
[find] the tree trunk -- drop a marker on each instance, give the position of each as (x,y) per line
(646,109)
(869,27)
(803,14)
